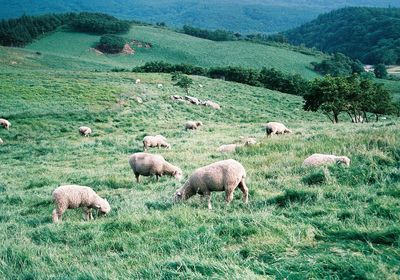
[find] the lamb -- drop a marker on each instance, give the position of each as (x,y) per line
(223,175)
(192,100)
(192,125)
(155,141)
(276,128)
(85,131)
(229,148)
(322,159)
(212,104)
(5,123)
(74,196)
(147,164)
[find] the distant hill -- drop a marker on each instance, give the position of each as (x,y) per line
(72,50)
(245,16)
(369,34)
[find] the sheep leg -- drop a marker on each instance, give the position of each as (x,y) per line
(245,190)
(137,177)
(87,213)
(207,196)
(57,215)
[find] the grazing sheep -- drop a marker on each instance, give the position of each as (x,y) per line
(137,81)
(176,97)
(357,119)
(5,123)
(321,159)
(200,85)
(160,86)
(155,141)
(1,141)
(229,148)
(212,104)
(85,131)
(192,100)
(249,141)
(223,175)
(147,164)
(276,128)
(74,196)
(192,125)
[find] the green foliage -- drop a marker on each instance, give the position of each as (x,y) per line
(276,80)
(21,31)
(339,65)
(182,81)
(353,94)
(217,35)
(111,43)
(369,34)
(98,23)
(380,71)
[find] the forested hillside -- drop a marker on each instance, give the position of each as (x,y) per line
(369,34)
(246,16)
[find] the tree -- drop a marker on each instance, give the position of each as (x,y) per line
(182,81)
(380,71)
(111,43)
(328,95)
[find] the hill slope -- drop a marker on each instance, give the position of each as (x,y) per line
(171,47)
(369,34)
(298,223)
(243,16)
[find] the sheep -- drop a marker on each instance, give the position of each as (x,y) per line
(176,97)
(5,123)
(249,141)
(1,141)
(200,85)
(322,159)
(137,81)
(155,141)
(192,100)
(223,175)
(147,164)
(193,125)
(276,128)
(74,196)
(357,119)
(160,86)
(229,148)
(85,131)
(212,104)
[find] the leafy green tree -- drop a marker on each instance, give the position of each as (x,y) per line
(111,43)
(182,81)
(380,71)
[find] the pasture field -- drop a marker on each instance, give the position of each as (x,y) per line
(324,223)
(171,47)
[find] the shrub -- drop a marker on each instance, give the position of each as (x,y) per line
(99,24)
(111,44)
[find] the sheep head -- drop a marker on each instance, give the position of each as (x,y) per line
(344,160)
(103,206)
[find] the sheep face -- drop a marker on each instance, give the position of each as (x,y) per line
(344,160)
(178,174)
(199,123)
(104,207)
(178,196)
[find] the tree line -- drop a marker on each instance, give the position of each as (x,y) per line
(23,30)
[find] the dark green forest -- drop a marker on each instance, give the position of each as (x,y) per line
(371,35)
(23,30)
(244,16)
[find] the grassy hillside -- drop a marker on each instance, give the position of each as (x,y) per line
(333,222)
(175,48)
(369,34)
(243,16)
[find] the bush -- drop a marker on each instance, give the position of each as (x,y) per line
(99,24)
(111,43)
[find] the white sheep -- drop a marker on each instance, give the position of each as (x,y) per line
(1,141)
(276,128)
(147,165)
(85,131)
(160,86)
(155,141)
(212,104)
(74,196)
(193,125)
(137,81)
(323,159)
(225,175)
(192,100)
(229,148)
(5,123)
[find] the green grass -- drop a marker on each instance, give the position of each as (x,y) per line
(61,47)
(332,222)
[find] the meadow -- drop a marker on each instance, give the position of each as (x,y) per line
(66,49)
(322,223)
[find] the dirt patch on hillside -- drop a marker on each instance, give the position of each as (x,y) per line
(127,50)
